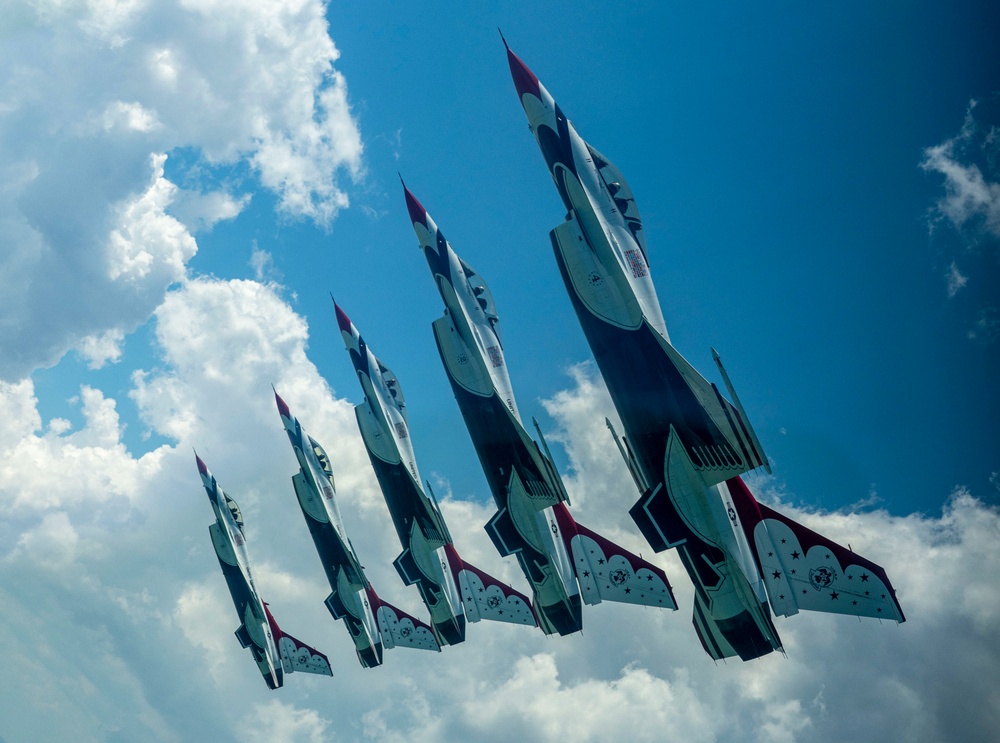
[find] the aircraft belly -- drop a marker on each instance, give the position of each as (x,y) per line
(333,553)
(648,391)
(400,495)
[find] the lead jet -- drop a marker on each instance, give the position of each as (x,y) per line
(274,651)
(560,558)
(685,444)
(373,624)
(452,589)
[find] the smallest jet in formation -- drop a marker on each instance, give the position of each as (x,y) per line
(372,623)
(452,590)
(274,651)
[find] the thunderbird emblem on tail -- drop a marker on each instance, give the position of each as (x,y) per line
(274,651)
(685,444)
(372,623)
(561,559)
(453,590)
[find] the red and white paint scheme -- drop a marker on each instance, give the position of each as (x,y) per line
(274,651)
(452,590)
(565,563)
(372,623)
(685,444)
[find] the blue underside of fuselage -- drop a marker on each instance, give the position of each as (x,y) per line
(501,450)
(405,506)
(650,395)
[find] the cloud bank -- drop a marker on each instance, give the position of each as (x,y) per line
(120,626)
(98,101)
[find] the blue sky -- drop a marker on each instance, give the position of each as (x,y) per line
(184,186)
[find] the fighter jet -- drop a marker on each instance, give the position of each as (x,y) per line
(453,590)
(559,557)
(372,623)
(685,444)
(274,651)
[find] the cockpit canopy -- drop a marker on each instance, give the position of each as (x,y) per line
(321,457)
(392,384)
(484,296)
(234,510)
(621,193)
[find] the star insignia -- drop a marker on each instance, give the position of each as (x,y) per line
(783,541)
(770,554)
(776,575)
(864,577)
(586,573)
(834,595)
(601,561)
(649,577)
(795,555)
(628,590)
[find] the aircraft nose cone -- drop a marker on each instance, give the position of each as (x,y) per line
(418,215)
(342,319)
(201,466)
(282,407)
(524,79)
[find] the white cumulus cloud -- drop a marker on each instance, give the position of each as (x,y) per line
(98,101)
(118,624)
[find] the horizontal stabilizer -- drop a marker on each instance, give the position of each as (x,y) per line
(803,570)
(297,656)
(403,630)
(608,572)
(484,597)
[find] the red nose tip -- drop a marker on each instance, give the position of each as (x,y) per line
(282,408)
(342,319)
(418,215)
(524,79)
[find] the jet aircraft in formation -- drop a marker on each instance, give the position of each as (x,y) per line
(274,651)
(452,590)
(559,557)
(685,445)
(373,624)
